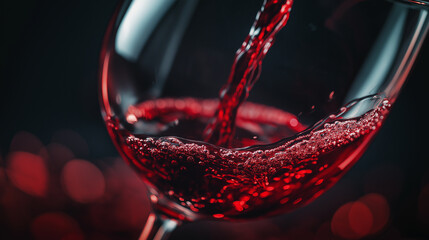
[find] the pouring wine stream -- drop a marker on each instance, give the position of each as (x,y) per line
(246,68)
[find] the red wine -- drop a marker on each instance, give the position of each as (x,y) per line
(245,71)
(256,123)
(252,181)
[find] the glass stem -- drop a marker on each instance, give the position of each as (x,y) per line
(158,227)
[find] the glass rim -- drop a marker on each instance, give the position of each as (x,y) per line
(413,2)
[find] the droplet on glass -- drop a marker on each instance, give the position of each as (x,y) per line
(218,215)
(131,119)
(293,122)
(331,95)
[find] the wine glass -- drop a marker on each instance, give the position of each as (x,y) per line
(325,88)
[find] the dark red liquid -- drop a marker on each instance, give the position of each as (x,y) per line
(246,68)
(247,182)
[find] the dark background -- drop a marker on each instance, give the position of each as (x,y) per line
(49,77)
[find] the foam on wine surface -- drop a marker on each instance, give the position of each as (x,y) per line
(246,182)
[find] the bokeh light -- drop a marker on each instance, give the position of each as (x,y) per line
(28,172)
(83,181)
(126,199)
(55,195)
(360,219)
(26,142)
(56,226)
(340,224)
(380,210)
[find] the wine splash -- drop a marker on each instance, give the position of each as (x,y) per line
(246,68)
(246,182)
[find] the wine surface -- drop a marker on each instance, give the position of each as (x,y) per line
(245,182)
